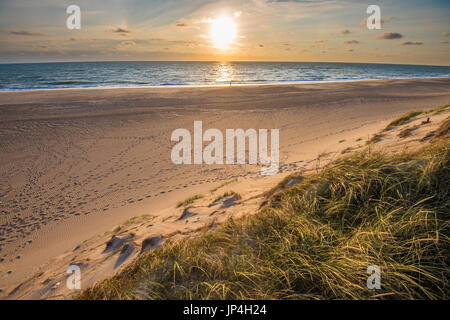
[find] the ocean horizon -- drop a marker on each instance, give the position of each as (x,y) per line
(126,74)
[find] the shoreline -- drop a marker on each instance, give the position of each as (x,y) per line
(194,86)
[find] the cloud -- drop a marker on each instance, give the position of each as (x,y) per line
(125,44)
(351,42)
(346,31)
(181,24)
(26,33)
(383,20)
(445,34)
(412,43)
(390,36)
(364,22)
(121,30)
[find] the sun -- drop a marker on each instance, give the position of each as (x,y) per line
(223,32)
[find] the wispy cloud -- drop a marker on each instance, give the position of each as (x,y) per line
(351,42)
(125,45)
(412,43)
(121,30)
(26,33)
(390,36)
(264,28)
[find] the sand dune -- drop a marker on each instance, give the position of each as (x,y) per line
(76,164)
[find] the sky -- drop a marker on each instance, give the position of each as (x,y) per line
(413,31)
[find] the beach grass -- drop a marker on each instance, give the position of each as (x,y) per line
(131,221)
(315,240)
(404,119)
(226,195)
(224,184)
(376,138)
(438,110)
(189,200)
(408,131)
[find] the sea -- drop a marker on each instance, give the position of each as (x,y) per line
(38,76)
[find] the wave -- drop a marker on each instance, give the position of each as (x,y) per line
(16,77)
(69,82)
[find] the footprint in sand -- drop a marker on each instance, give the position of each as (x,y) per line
(125,253)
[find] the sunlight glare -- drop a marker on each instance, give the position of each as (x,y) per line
(223,32)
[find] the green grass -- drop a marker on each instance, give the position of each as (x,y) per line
(315,240)
(189,200)
(404,119)
(283,184)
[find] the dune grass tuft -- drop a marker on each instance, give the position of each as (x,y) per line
(131,221)
(376,138)
(317,239)
(404,119)
(226,195)
(189,200)
(224,184)
(439,110)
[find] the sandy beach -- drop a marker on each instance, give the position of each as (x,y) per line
(75,164)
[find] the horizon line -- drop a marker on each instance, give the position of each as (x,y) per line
(222,61)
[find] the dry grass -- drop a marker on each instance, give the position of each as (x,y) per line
(376,138)
(408,131)
(224,184)
(189,200)
(133,220)
(404,119)
(439,110)
(444,129)
(316,239)
(226,195)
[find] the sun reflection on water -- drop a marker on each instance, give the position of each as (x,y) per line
(224,72)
